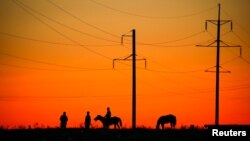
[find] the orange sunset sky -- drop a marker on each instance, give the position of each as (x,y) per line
(57,55)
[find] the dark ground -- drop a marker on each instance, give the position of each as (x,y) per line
(80,134)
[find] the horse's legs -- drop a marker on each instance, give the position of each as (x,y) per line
(106,126)
(172,126)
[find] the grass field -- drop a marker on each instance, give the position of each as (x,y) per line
(80,134)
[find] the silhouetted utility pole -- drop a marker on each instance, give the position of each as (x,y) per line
(218,22)
(133,55)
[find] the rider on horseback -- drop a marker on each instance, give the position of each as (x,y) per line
(108,115)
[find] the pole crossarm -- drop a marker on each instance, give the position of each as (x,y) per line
(129,58)
(223,44)
(221,21)
(221,71)
(125,35)
(217,22)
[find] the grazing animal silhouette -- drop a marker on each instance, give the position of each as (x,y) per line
(166,119)
(116,121)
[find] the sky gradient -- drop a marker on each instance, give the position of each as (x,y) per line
(57,55)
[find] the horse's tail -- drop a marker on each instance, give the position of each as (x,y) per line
(158,124)
(174,121)
(120,122)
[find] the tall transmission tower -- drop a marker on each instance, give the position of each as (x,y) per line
(218,42)
(133,55)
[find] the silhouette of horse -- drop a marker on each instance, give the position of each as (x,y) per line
(166,119)
(116,121)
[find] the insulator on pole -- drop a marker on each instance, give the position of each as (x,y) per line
(231,26)
(240,51)
(122,40)
(114,63)
(206,25)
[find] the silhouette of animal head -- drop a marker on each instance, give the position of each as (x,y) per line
(98,117)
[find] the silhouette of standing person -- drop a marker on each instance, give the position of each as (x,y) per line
(87,120)
(64,120)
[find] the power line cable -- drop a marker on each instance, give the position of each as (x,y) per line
(241,57)
(160,44)
(193,89)
(79,19)
(47,63)
(32,39)
(64,25)
(50,42)
(164,71)
(166,92)
(228,88)
(21,5)
(76,30)
(230,60)
(170,46)
(150,17)
(89,45)
(243,41)
(47,69)
(237,23)
(56,98)
(176,40)
(54,29)
(245,60)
